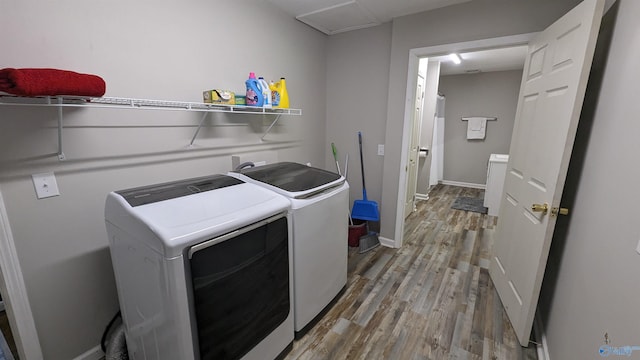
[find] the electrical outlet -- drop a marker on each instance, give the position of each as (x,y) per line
(381,149)
(45,185)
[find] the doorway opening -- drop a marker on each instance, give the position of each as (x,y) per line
(415,56)
(482,83)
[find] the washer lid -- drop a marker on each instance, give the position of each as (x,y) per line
(171,190)
(290,176)
(168,226)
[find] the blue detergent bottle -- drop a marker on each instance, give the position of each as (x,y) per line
(254,91)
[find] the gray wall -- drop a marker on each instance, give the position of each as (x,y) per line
(143,49)
(591,282)
(478,19)
(357,78)
(493,94)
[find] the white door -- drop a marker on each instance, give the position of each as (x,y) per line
(429,102)
(551,95)
(414,150)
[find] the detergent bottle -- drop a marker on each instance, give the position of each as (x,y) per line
(266,93)
(284,95)
(254,91)
(275,95)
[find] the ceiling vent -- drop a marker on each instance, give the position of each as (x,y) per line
(339,18)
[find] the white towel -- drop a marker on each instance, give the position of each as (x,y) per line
(476,127)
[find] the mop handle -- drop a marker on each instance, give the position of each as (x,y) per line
(364,188)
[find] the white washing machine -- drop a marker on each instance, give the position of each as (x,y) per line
(319,205)
(203,269)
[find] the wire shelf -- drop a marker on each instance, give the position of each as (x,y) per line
(131,103)
(61,102)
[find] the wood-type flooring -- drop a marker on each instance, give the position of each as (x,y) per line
(430,299)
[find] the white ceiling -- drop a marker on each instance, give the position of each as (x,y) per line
(501,59)
(336,16)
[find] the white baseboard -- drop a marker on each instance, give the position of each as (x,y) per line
(387,242)
(422,196)
(92,354)
(542,348)
(464,184)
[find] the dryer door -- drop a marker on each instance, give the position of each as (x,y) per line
(240,288)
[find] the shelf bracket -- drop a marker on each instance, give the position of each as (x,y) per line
(204,116)
(270,126)
(61,156)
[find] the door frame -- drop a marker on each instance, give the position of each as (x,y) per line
(14,293)
(414,58)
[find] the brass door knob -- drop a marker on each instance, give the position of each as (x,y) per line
(543,208)
(559,211)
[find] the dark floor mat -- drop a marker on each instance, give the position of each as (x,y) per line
(469,204)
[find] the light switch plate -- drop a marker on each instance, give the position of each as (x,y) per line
(381,149)
(45,185)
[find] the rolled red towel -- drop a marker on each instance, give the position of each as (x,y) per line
(49,82)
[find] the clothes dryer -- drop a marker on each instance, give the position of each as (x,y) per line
(203,269)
